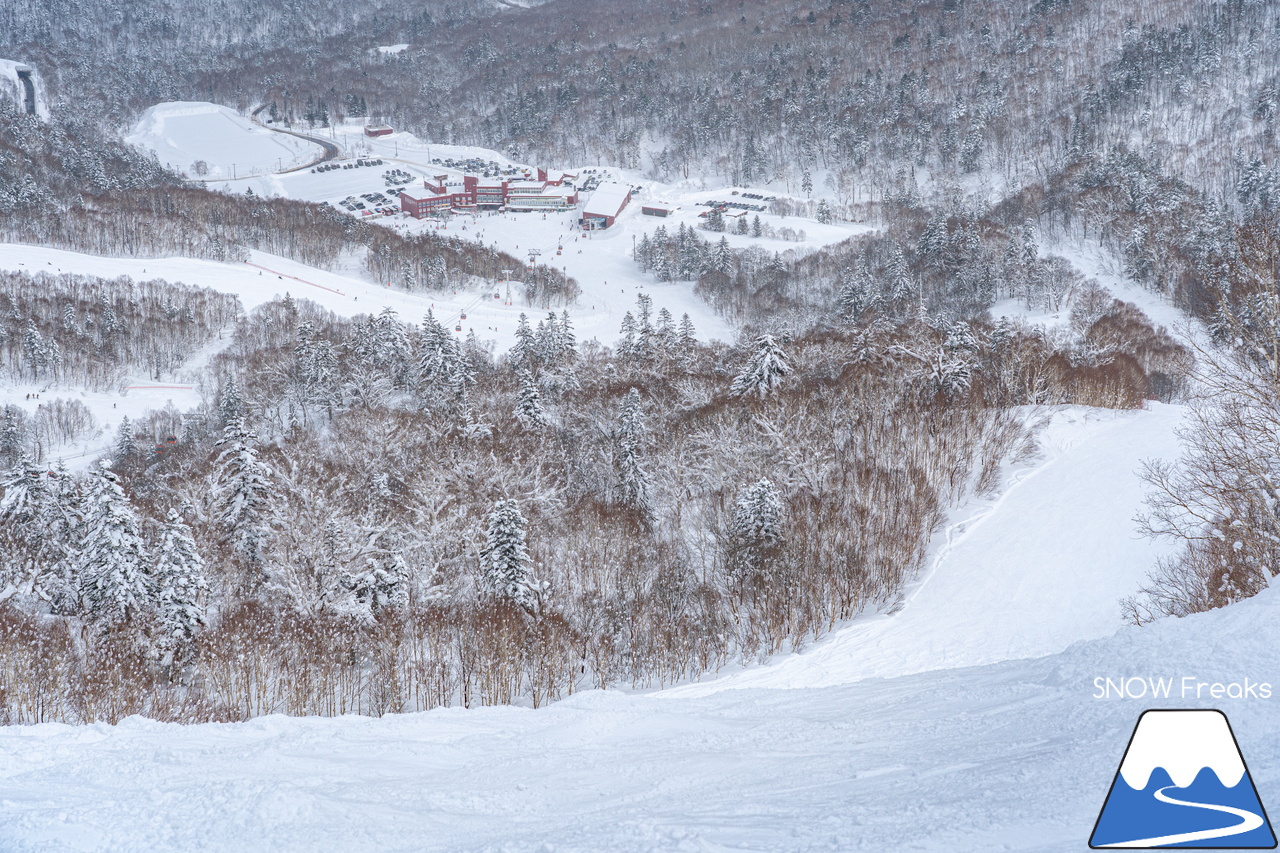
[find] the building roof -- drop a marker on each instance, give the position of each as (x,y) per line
(658,205)
(374,127)
(607,200)
(421,193)
(552,193)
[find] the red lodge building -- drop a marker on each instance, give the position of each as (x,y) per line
(605,206)
(549,191)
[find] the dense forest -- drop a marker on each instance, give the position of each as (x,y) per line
(368,515)
(371,517)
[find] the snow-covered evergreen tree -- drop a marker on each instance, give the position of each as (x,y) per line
(568,341)
(547,340)
(644,253)
(231,407)
(506,569)
(529,409)
(439,358)
(757,515)
(901,288)
(949,373)
(663,267)
(722,258)
(125,444)
(633,479)
(111,566)
(627,343)
(34,351)
(857,293)
(391,347)
(26,496)
(665,331)
(39,511)
(524,353)
(382,581)
(755,532)
(11,435)
(178,572)
(688,335)
(243,500)
(764,371)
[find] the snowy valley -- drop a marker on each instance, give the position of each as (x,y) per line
(579,426)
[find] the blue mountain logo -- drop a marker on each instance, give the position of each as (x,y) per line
(1183,783)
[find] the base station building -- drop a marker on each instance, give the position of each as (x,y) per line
(548,191)
(605,206)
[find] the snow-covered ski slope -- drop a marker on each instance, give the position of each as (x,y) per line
(1015,756)
(1026,574)
(597,314)
(1008,755)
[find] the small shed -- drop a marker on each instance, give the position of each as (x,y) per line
(378,130)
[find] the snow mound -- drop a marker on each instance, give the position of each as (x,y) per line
(183,133)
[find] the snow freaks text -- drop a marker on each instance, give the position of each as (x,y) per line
(1184,687)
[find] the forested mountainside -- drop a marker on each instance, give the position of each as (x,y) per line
(370,514)
(867,93)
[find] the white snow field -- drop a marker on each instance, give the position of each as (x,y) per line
(1008,755)
(184,132)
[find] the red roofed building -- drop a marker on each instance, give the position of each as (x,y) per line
(435,196)
(605,206)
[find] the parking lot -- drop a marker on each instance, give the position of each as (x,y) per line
(739,205)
